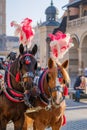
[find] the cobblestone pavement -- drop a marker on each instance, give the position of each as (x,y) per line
(76,114)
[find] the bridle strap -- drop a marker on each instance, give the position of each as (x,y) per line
(57,88)
(27,54)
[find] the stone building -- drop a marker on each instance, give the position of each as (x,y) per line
(2,26)
(41,33)
(8,44)
(74,21)
(76,24)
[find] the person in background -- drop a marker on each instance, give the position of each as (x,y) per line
(80,85)
(78,88)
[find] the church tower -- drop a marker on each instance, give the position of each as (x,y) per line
(41,33)
(51,13)
(2,17)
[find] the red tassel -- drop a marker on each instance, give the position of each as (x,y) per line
(65,91)
(64,120)
(17,78)
(1,76)
(60,79)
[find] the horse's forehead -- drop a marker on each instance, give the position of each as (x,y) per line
(28,56)
(53,70)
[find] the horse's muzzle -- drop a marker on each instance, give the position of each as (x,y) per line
(28,80)
(28,86)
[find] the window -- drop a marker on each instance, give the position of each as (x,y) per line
(85,12)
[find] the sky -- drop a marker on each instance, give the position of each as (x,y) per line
(18,10)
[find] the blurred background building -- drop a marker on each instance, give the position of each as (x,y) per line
(73,21)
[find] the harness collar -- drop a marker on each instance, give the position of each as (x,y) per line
(10,93)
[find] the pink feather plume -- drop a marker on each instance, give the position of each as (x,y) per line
(24,31)
(60,44)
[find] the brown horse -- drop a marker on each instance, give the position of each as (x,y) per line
(18,76)
(50,104)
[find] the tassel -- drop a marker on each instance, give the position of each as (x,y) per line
(1,76)
(64,120)
(65,91)
(17,78)
(60,79)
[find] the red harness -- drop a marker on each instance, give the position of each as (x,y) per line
(12,95)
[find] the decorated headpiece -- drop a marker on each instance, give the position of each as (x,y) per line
(60,44)
(24,31)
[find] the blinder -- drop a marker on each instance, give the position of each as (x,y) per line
(60,75)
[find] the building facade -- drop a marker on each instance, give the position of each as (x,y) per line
(41,33)
(74,21)
(8,44)
(77,27)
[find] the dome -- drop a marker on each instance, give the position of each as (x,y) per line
(51,9)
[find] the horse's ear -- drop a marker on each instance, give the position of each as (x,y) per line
(34,50)
(65,64)
(50,63)
(21,49)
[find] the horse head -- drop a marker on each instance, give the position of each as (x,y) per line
(20,73)
(27,65)
(53,86)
